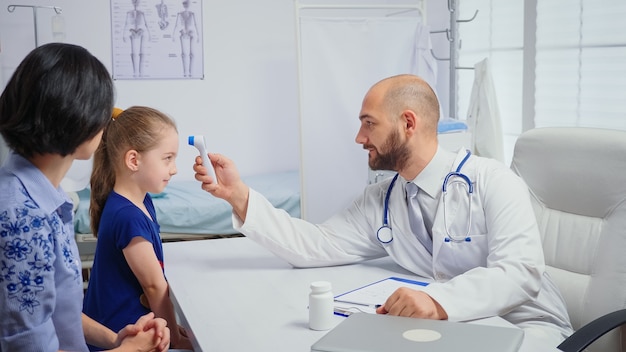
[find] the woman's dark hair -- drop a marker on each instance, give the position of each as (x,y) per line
(58,97)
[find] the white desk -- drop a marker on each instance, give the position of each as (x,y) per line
(234,295)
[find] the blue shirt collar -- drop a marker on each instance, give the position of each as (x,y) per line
(38,186)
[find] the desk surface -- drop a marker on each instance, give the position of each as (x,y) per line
(234,295)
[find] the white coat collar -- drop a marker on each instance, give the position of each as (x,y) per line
(431,178)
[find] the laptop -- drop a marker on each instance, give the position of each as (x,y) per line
(365,332)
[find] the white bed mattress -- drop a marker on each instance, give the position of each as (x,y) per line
(184,208)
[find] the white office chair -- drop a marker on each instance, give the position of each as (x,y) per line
(577,179)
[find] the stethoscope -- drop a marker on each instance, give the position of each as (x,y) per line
(384,233)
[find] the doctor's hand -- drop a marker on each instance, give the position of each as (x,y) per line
(230,187)
(407,302)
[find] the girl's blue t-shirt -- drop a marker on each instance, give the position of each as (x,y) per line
(113,294)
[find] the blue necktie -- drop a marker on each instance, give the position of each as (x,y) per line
(415,217)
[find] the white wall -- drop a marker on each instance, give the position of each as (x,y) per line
(246,105)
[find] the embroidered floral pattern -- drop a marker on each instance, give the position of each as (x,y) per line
(27,253)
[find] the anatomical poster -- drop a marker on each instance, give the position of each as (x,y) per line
(157,39)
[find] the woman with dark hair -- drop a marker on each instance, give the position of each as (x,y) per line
(52,112)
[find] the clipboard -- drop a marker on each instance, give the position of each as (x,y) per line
(367,298)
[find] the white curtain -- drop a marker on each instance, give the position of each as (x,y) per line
(340,59)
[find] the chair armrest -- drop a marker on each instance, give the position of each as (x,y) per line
(587,334)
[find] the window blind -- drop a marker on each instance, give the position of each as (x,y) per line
(580,62)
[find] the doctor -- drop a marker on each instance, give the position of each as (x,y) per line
(482,245)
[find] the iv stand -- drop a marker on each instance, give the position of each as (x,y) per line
(56,9)
(452,34)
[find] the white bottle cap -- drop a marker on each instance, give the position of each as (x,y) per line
(320,286)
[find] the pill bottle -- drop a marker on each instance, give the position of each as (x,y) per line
(321,306)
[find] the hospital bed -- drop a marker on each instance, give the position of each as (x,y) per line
(184,211)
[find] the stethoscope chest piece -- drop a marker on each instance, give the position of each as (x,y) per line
(384,234)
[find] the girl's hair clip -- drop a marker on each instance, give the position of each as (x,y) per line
(116,113)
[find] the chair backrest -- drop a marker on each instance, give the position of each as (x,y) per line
(577,179)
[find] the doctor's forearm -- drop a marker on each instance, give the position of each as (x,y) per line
(239,201)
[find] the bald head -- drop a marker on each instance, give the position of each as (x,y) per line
(409,92)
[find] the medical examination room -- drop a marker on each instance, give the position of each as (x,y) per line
(507,118)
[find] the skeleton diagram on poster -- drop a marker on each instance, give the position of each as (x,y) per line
(157,39)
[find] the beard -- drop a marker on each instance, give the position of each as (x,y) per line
(394,158)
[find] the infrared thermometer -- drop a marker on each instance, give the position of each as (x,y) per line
(198,142)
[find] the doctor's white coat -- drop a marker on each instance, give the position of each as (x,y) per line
(499,272)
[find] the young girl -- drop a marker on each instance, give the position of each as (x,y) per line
(136,156)
(52,112)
